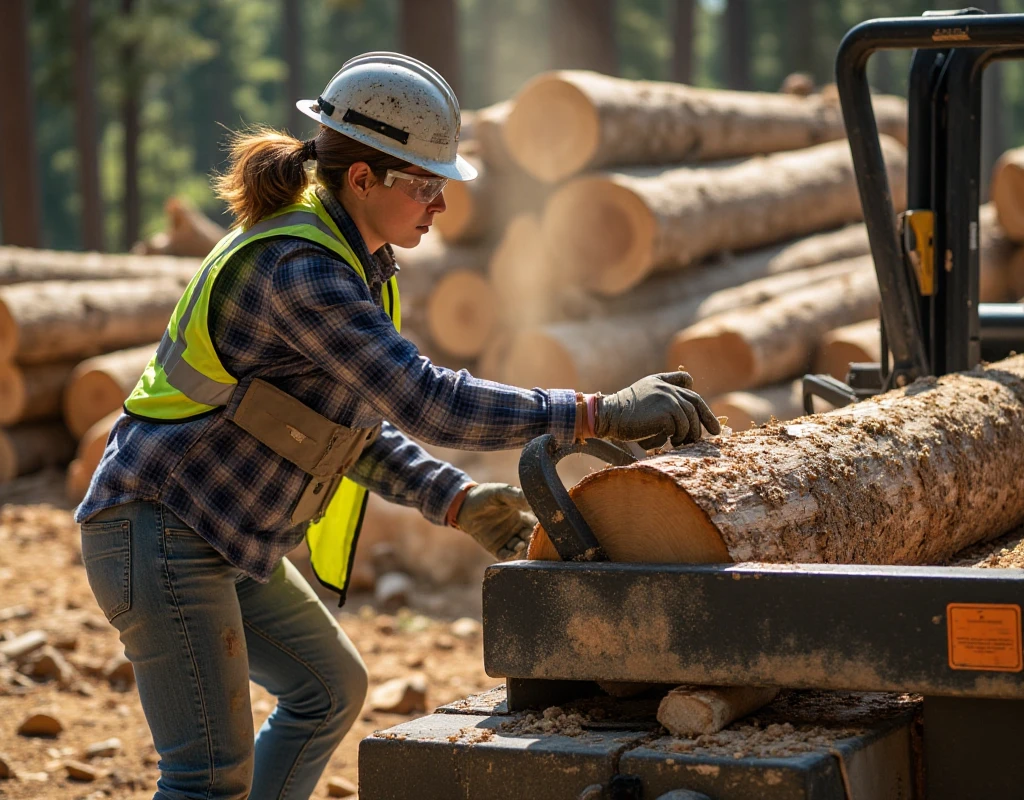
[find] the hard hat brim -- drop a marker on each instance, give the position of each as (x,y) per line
(460,170)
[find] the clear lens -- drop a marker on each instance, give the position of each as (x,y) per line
(420,188)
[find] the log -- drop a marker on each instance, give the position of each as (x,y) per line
(746,348)
(861,341)
(565,122)
(100,385)
(60,320)
(613,229)
(489,134)
(87,457)
(693,710)
(606,354)
(995,258)
(33,446)
(909,477)
(848,242)
(189,232)
(445,297)
(25,265)
(1007,192)
(32,393)
(743,410)
(478,210)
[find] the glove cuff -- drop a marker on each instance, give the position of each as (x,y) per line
(451,518)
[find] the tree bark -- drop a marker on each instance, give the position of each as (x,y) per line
(910,477)
(479,210)
(131,200)
(747,348)
(683,39)
(861,341)
(744,409)
(29,394)
(100,385)
(582,35)
(1008,192)
(87,457)
(736,36)
(20,202)
(59,320)
(24,265)
(429,30)
(696,710)
(614,229)
(86,131)
(34,446)
(564,123)
(445,296)
(605,354)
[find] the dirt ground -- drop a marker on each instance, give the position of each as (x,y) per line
(43,587)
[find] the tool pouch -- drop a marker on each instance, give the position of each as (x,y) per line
(323,449)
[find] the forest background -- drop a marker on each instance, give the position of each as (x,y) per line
(108,107)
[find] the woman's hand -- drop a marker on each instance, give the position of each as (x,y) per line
(654,409)
(497,516)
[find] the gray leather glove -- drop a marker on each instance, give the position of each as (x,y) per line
(499,518)
(655,409)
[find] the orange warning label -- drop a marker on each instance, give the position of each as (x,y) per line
(984,636)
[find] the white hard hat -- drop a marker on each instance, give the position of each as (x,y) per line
(397,105)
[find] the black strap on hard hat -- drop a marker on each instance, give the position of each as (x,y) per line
(355,118)
(364,121)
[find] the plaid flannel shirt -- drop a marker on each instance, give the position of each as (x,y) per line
(292,313)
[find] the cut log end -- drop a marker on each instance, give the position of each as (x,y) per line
(90,396)
(13,393)
(8,333)
(533,359)
(641,516)
(603,232)
(553,130)
(461,313)
(718,363)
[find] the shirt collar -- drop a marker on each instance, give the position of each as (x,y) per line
(379,266)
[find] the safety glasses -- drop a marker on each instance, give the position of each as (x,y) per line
(421,188)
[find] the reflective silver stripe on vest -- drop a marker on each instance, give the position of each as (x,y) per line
(170,354)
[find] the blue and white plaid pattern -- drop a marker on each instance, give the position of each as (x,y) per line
(292,313)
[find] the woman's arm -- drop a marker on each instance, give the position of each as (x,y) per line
(399,470)
(325,311)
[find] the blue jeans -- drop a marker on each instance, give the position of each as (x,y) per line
(196,630)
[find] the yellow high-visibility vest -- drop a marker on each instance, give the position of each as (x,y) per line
(185,379)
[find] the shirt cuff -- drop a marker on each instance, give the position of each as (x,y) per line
(562,426)
(442,492)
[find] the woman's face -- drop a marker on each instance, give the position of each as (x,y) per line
(390,213)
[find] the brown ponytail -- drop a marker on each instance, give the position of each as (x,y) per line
(266,172)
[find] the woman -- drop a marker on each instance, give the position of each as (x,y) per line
(282,370)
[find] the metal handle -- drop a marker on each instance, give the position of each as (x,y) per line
(562,520)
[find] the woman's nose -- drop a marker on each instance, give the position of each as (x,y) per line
(437,205)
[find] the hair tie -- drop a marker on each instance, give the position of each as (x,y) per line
(309,150)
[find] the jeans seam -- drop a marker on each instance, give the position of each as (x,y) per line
(188,646)
(330,715)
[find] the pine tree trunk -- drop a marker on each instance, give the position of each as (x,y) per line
(910,477)
(564,123)
(683,39)
(607,353)
(582,35)
(100,385)
(614,229)
(747,348)
(429,30)
(26,265)
(29,394)
(86,131)
(58,320)
(736,20)
(131,200)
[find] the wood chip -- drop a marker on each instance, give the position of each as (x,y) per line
(6,770)
(404,695)
(465,628)
(340,787)
(40,724)
(21,646)
(104,749)
(79,771)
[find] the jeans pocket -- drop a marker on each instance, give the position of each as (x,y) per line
(107,553)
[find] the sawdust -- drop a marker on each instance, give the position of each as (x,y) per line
(1006,552)
(553,720)
(798,723)
(472,735)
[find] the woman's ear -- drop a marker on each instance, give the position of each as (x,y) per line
(361,179)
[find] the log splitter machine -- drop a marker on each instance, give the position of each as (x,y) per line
(949,634)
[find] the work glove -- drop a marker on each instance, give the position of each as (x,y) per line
(655,409)
(499,518)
